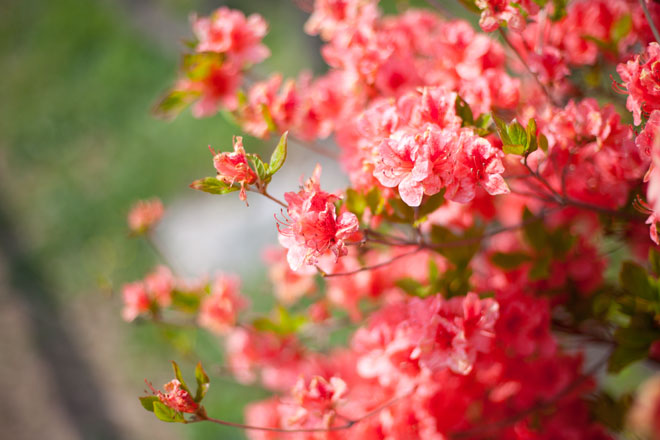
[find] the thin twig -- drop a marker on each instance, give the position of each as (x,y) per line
(263,192)
(647,13)
(372,267)
(278,201)
(529,70)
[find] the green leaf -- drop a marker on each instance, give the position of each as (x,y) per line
(654,260)
(265,113)
(635,280)
(559,11)
(509,260)
(264,324)
(530,131)
(463,110)
(609,411)
(540,269)
(198,66)
(279,155)
(213,185)
(203,382)
(623,356)
(543,143)
(172,103)
(513,149)
(402,212)
(621,27)
(167,414)
(605,46)
(187,302)
(633,341)
(355,202)
(459,249)
(502,130)
(375,201)
(409,285)
(483,121)
(242,98)
(434,272)
(534,231)
(148,402)
(260,167)
(177,374)
(286,324)
(560,242)
(517,133)
(515,139)
(431,203)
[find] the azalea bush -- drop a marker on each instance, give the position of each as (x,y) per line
(501,219)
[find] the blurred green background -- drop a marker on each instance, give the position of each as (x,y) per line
(77,147)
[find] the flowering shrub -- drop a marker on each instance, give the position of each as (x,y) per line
(488,171)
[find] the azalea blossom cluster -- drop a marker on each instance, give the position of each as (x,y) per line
(217,303)
(490,174)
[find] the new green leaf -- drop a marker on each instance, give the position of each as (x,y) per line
(213,185)
(203,382)
(279,155)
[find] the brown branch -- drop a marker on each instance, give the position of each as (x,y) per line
(264,193)
(365,268)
